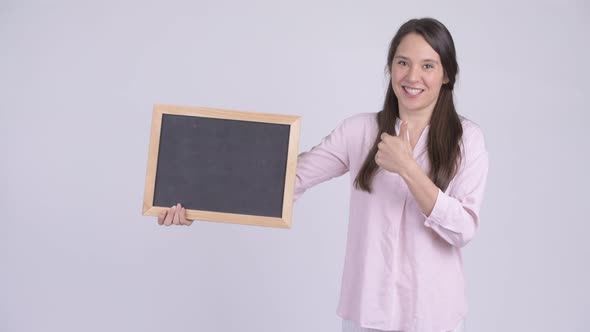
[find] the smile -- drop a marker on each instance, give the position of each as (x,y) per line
(412,91)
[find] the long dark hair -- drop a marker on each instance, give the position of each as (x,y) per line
(444,136)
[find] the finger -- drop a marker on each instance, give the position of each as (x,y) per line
(161,217)
(403,131)
(378,159)
(183,220)
(168,220)
(176,219)
(384,136)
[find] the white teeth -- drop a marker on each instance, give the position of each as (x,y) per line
(411,91)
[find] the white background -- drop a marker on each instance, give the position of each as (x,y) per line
(77,85)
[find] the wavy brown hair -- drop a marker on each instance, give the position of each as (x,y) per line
(444,136)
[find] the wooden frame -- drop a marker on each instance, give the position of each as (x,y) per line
(294,123)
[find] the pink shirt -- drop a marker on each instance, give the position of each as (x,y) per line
(403,271)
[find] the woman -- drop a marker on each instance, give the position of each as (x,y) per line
(419,176)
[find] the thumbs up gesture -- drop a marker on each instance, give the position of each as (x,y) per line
(394,153)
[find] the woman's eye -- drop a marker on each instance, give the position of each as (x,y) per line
(428,66)
(401,62)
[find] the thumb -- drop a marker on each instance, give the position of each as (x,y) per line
(404,134)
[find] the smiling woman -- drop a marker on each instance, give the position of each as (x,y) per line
(418,174)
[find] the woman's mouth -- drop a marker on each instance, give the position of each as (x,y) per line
(412,91)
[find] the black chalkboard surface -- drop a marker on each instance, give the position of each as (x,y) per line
(222,165)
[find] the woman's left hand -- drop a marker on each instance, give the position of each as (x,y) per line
(394,153)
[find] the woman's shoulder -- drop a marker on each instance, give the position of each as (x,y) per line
(470,128)
(361,122)
(473,137)
(357,118)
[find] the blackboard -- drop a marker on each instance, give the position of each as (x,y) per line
(222,165)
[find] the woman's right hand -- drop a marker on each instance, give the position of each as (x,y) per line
(174,216)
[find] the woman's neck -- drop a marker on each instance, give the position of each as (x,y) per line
(417,121)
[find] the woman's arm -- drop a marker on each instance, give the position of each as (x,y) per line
(324,161)
(454,214)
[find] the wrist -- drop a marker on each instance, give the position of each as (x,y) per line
(409,172)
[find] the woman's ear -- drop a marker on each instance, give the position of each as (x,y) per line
(445,79)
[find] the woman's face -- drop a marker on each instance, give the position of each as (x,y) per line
(416,75)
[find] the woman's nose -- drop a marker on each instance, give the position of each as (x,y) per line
(414,73)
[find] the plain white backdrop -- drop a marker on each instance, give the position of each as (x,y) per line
(77,84)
